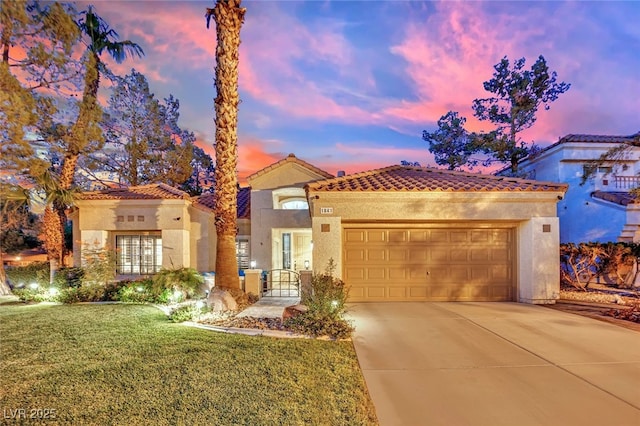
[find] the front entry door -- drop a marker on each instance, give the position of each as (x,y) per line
(301,251)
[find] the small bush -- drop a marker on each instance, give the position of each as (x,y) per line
(84,293)
(184,280)
(28,294)
(112,289)
(314,324)
(325,300)
(99,264)
(133,293)
(188,312)
(22,276)
(68,277)
(69,295)
(327,295)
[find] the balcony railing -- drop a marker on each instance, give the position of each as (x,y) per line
(626,182)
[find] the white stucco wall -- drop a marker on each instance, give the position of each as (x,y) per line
(176,251)
(538,260)
(202,244)
(327,245)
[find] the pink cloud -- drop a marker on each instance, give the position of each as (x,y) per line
(453,53)
(168,32)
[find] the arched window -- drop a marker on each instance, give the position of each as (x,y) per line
(290,199)
(295,204)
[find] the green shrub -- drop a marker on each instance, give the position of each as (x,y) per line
(112,289)
(325,300)
(327,295)
(28,294)
(184,280)
(68,277)
(315,324)
(138,292)
(84,293)
(133,293)
(69,295)
(188,312)
(22,276)
(99,264)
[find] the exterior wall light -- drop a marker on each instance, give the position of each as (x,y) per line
(252,264)
(306,264)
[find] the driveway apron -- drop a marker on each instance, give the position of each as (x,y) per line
(495,364)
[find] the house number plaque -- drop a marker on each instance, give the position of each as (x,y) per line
(326,210)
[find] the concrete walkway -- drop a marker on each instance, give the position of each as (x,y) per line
(496,364)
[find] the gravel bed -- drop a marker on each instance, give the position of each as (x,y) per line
(229,319)
(624,297)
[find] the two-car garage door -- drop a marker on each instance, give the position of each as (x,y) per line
(429,262)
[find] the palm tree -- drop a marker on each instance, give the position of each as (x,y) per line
(86,129)
(229,17)
(12,199)
(85,134)
(54,219)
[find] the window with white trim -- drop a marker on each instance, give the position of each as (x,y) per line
(138,254)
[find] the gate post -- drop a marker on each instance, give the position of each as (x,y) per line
(305,283)
(252,282)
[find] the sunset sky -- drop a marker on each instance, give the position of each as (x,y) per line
(351,85)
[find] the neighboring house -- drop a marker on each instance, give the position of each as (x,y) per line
(600,209)
(399,233)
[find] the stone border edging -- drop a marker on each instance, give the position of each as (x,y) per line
(248,331)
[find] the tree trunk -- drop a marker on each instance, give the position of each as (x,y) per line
(229,17)
(5,290)
(53,238)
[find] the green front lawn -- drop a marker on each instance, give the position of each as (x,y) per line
(127,364)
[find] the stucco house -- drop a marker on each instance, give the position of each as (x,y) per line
(399,233)
(154,226)
(600,209)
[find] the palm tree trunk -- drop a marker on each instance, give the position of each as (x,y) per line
(229,17)
(5,290)
(53,236)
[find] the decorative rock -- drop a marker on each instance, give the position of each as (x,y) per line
(221,300)
(293,311)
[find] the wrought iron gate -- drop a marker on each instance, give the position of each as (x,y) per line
(280,283)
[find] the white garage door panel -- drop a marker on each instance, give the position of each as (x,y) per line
(429,264)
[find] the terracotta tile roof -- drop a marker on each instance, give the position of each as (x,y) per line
(244,202)
(157,191)
(291,158)
(622,198)
(414,179)
(598,138)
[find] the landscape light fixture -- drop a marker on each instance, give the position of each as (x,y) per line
(306,264)
(252,264)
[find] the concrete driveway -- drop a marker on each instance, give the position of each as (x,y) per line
(495,364)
